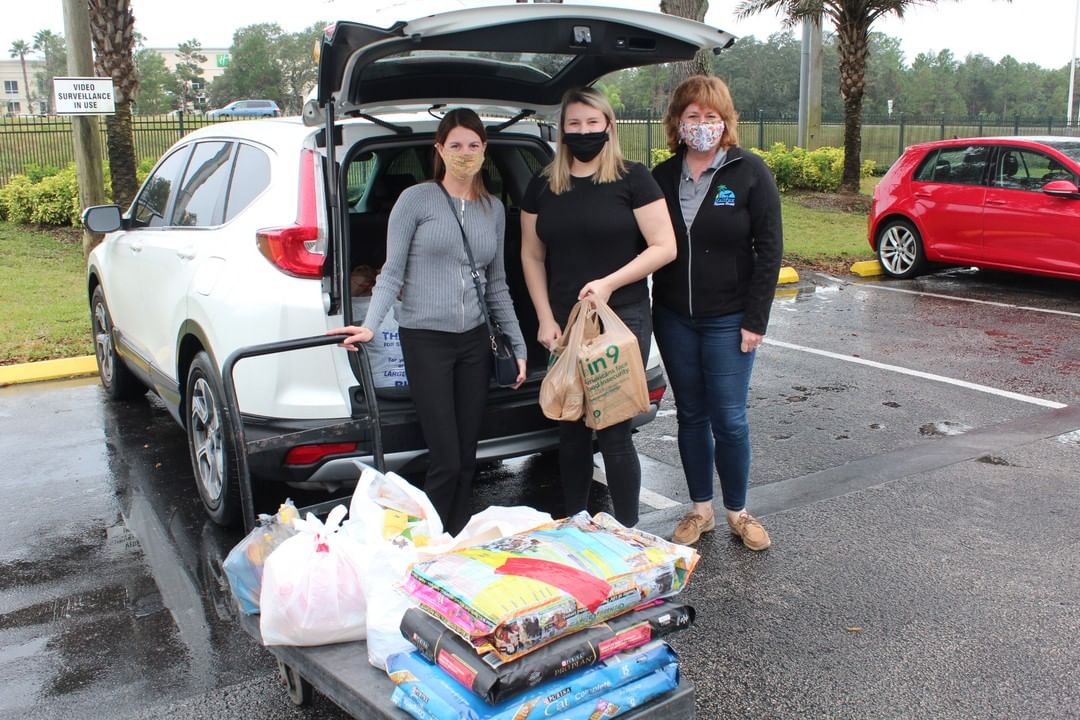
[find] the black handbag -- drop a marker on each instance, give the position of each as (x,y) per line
(504,367)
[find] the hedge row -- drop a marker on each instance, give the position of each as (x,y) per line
(46,195)
(798,169)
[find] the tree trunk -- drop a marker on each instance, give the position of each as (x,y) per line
(122,161)
(26,83)
(854,49)
(112,26)
(702,62)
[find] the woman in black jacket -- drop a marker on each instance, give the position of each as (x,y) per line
(711,306)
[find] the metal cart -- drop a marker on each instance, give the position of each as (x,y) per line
(341,671)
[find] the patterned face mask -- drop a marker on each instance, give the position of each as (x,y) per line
(701,136)
(463,165)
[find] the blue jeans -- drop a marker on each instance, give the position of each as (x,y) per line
(710,378)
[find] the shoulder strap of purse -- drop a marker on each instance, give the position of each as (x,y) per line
(472,264)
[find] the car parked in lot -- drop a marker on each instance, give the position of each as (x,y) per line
(246,109)
(246,233)
(1008,203)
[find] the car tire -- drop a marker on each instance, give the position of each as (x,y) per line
(900,249)
(210,443)
(116,378)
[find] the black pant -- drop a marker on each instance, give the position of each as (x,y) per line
(621,464)
(448,381)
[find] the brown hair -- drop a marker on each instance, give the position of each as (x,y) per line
(709,92)
(612,165)
(468,119)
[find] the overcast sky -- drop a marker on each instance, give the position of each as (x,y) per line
(1038,31)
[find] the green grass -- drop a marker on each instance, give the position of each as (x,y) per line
(43,295)
(823,235)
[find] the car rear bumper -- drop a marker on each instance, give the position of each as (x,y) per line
(513,427)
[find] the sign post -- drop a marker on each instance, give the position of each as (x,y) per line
(88,166)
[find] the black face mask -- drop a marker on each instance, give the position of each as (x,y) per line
(585,146)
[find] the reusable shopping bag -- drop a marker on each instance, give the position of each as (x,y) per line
(311,593)
(244,563)
(561,393)
(612,373)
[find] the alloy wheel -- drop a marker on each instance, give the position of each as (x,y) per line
(103,346)
(207,440)
(899,249)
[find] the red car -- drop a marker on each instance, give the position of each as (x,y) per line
(1009,203)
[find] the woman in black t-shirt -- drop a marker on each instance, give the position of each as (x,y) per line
(594,225)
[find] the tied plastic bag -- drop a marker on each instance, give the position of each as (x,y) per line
(311,593)
(561,393)
(244,564)
(612,373)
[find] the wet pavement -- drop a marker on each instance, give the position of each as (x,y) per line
(916,460)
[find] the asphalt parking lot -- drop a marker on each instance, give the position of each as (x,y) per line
(916,460)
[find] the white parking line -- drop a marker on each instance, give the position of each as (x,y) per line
(968,300)
(918,374)
(650,498)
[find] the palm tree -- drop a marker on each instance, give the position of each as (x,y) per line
(852,20)
(112,28)
(693,10)
(51,46)
(19,49)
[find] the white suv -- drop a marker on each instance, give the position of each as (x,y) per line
(245,233)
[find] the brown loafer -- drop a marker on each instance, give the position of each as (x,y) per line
(689,529)
(747,527)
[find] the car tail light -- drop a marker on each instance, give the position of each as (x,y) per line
(299,249)
(308,454)
(657,394)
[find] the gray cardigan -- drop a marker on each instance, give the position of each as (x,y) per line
(427,265)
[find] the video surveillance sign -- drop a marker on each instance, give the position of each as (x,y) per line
(83,96)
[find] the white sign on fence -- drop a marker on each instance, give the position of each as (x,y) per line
(83,96)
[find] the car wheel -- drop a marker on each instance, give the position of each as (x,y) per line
(119,382)
(210,442)
(900,249)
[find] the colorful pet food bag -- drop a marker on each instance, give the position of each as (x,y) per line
(442,698)
(513,595)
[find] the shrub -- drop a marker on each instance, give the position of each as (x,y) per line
(17,199)
(801,169)
(49,196)
(659,155)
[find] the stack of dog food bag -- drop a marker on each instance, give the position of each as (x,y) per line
(562,621)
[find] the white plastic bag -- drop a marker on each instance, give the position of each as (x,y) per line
(386,508)
(312,592)
(391,518)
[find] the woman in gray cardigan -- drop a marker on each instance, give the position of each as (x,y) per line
(444,338)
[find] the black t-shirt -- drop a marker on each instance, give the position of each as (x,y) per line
(590,231)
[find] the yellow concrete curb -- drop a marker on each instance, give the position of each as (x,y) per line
(787,275)
(48,370)
(867,268)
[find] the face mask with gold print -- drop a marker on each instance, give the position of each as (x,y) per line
(463,165)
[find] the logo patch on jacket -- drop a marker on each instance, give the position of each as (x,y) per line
(724,196)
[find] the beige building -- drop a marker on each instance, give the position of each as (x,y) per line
(14,99)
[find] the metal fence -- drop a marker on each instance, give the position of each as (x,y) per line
(47,141)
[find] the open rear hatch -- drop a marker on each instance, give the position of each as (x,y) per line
(522,57)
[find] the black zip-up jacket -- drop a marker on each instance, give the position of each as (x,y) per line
(729,259)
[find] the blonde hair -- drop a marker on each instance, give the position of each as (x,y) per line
(612,165)
(708,92)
